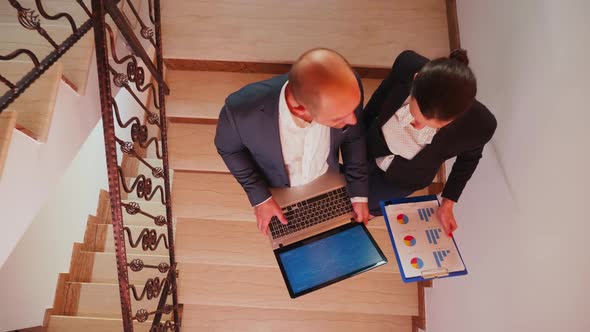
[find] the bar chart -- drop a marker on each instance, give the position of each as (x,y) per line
(425,214)
(433,235)
(439,256)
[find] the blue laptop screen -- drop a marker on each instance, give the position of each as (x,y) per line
(329,258)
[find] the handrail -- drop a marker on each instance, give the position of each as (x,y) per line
(149,238)
(28,19)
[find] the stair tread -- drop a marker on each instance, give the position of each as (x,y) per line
(59,323)
(76,62)
(209,196)
(279,31)
(228,318)
(34,108)
(104,267)
(263,287)
(213,88)
(191,147)
(240,243)
(102,300)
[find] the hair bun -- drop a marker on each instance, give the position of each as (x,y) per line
(460,55)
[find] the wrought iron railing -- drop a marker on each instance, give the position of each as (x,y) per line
(127,73)
(30,20)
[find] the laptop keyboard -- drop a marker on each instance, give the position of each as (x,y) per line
(313,211)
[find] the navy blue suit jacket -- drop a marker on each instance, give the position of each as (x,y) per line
(248,140)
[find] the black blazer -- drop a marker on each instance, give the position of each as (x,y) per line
(248,140)
(464,138)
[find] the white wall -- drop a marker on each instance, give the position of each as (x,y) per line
(524,229)
(29,275)
(32,169)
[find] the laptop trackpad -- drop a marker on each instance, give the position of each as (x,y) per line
(327,258)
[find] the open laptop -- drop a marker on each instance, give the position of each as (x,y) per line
(321,244)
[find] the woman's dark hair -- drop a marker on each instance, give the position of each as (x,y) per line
(445,87)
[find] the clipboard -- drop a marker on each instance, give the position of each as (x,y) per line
(426,273)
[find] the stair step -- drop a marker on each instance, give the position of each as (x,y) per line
(240,243)
(105,240)
(34,108)
(263,287)
(91,324)
(214,87)
(228,318)
(102,300)
(103,267)
(192,148)
(205,195)
(279,31)
(7,123)
(76,62)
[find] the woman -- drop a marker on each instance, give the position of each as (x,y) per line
(422,114)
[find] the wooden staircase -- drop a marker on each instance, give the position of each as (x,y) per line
(34,109)
(229,279)
(88,295)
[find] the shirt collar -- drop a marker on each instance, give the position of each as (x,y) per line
(285,115)
(424,135)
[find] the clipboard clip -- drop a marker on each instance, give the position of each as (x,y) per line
(435,273)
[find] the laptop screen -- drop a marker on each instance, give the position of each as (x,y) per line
(328,258)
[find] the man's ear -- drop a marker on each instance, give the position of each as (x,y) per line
(299,109)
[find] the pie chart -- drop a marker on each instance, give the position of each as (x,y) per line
(417,263)
(402,219)
(409,240)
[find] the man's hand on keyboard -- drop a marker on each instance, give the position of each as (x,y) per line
(264,213)
(361,211)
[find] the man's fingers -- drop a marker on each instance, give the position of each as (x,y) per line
(260,226)
(265,227)
(446,227)
(282,218)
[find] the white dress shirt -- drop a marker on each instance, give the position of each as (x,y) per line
(305,147)
(402,138)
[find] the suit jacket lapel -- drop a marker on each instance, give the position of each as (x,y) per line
(393,102)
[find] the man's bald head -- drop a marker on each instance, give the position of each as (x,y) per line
(321,80)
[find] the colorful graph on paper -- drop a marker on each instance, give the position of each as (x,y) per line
(420,240)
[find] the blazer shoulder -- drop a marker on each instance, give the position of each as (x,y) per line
(255,95)
(482,121)
(407,63)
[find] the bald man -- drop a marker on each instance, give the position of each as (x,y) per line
(288,130)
